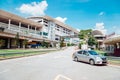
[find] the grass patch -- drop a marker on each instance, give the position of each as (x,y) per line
(23,54)
(114,62)
(100,52)
(21,50)
(15,50)
(111,59)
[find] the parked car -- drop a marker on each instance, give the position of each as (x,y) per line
(89,56)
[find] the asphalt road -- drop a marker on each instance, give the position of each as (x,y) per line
(55,66)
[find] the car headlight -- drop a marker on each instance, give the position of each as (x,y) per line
(98,59)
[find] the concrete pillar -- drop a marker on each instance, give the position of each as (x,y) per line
(9,22)
(28,27)
(66,44)
(41,32)
(8,45)
(119,45)
(35,30)
(110,47)
(19,25)
(42,22)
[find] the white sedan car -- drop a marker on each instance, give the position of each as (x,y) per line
(89,56)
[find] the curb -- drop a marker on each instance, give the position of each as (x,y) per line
(116,66)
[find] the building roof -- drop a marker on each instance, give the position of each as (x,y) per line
(58,22)
(7,15)
(112,40)
(97,32)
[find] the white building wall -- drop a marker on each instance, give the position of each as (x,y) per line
(51,31)
(54,30)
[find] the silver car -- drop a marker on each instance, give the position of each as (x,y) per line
(89,56)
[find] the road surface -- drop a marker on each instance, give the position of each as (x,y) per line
(55,66)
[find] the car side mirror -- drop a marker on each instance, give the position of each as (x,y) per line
(87,54)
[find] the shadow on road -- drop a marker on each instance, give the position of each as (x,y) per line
(89,64)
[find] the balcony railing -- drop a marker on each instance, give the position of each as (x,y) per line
(4,25)
(22,30)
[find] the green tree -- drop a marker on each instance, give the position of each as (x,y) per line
(85,34)
(87,37)
(62,42)
(17,40)
(2,42)
(92,41)
(68,44)
(25,43)
(45,44)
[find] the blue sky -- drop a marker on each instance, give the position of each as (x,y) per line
(80,14)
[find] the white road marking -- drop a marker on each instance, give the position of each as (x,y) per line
(6,70)
(61,76)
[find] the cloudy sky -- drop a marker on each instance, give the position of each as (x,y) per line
(103,15)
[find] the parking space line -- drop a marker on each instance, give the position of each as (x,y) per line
(62,76)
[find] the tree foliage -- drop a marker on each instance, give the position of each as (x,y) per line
(25,41)
(17,39)
(62,42)
(2,42)
(92,41)
(45,44)
(85,34)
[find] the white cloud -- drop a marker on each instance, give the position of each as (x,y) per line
(34,8)
(101,13)
(78,29)
(61,19)
(100,27)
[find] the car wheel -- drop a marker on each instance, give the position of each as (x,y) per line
(92,62)
(76,59)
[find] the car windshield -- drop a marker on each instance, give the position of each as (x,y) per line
(93,52)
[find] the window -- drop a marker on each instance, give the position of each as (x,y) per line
(51,24)
(1,29)
(40,21)
(44,33)
(93,52)
(46,25)
(85,53)
(57,29)
(56,39)
(79,52)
